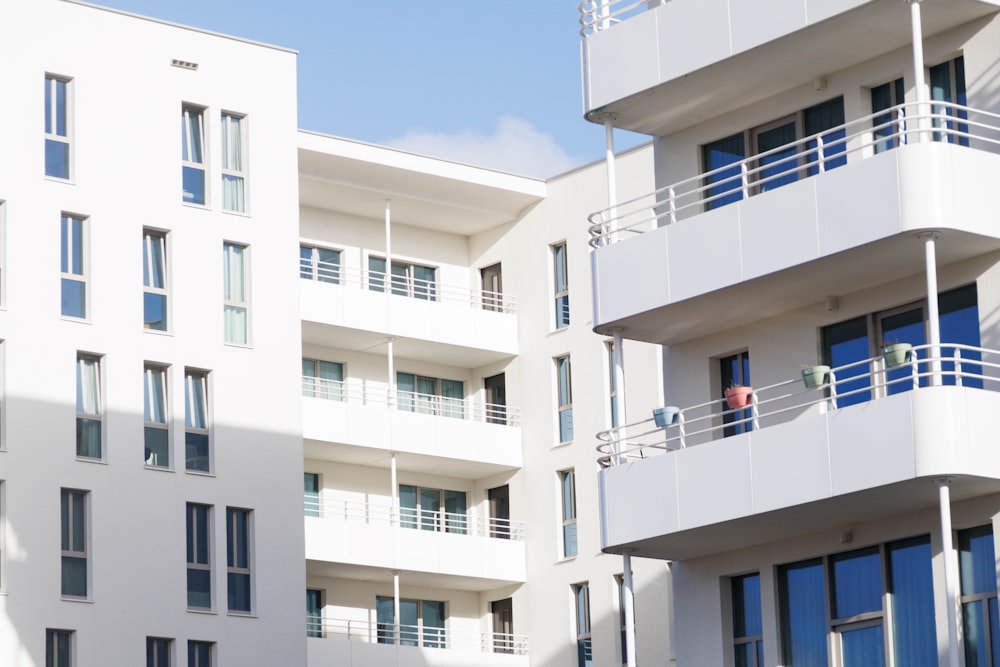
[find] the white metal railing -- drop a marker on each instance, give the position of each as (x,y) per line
(359,392)
(415,635)
(856,140)
(597,15)
(469,523)
(428,290)
(857,382)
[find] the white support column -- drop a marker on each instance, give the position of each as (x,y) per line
(628,600)
(390,355)
(394,490)
(933,318)
(611,227)
(950,570)
(919,78)
(388,243)
(395,608)
(619,370)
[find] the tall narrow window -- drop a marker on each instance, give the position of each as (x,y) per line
(74,265)
(609,348)
(492,286)
(238,553)
(911,585)
(820,118)
(947,82)
(567,490)
(884,127)
(980,613)
(199,564)
(748,631)
(237,301)
(565,397)
(311,494)
(581,600)
(560,279)
(154,280)
(3,252)
(314,612)
(233,162)
(722,181)
(323,379)
(59,648)
(779,166)
(321,264)
(58,126)
(197,445)
(157,429)
(193,153)
(88,406)
(73,510)
(803,613)
(200,653)
(735,372)
(158,650)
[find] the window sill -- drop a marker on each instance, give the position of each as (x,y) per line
(148,466)
(242,346)
(87,459)
(566,559)
(203,207)
(200,473)
(56,179)
(78,320)
(70,598)
(238,214)
(241,614)
(202,610)
(157,332)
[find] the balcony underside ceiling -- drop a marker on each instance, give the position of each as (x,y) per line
(839,513)
(371,457)
(762,72)
(797,287)
(383,576)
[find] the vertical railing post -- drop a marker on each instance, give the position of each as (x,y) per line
(673,204)
(754,411)
(820,168)
(745,179)
(682,430)
(958,367)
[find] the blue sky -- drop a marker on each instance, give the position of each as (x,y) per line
(490,83)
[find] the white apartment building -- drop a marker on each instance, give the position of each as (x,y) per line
(822,172)
(253,364)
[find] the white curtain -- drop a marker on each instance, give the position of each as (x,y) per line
(235,312)
(155,412)
(87,396)
(194,400)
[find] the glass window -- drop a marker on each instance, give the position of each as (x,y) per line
(323,379)
(233,162)
(59,648)
(581,601)
(433,509)
(158,650)
(199,565)
(567,488)
(236,293)
(492,288)
(197,445)
(421,622)
(748,633)
(74,265)
(980,615)
(321,264)
(157,427)
(200,654)
(88,406)
(803,617)
(911,585)
(846,343)
(735,372)
(725,185)
(58,124)
(193,154)
(238,559)
(411,280)
(818,119)
(779,167)
(885,130)
(314,612)
(311,494)
(609,349)
(560,273)
(154,280)
(73,509)
(431,396)
(947,82)
(565,397)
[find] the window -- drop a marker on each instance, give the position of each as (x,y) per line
(154,280)
(311,498)
(567,488)
(74,266)
(723,186)
(980,615)
(197,444)
(817,119)
(238,556)
(323,379)
(430,396)
(581,600)
(421,622)
(73,511)
(88,406)
(59,648)
(560,279)
(58,126)
(314,612)
(432,509)
(495,387)
(157,429)
(322,264)
(502,612)
(947,82)
(565,397)
(735,372)
(233,162)
(237,300)
(885,129)
(193,154)
(158,651)
(609,349)
(748,639)
(620,586)
(412,280)
(199,567)
(492,288)
(200,653)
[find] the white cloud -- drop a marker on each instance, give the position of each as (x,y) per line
(516,146)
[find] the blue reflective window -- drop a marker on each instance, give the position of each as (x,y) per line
(726,186)
(803,614)
(845,343)
(883,97)
(747,626)
(863,646)
(735,371)
(912,587)
(976,560)
(780,167)
(822,117)
(959,316)
(856,584)
(977,563)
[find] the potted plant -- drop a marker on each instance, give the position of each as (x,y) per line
(738,396)
(666,416)
(815,376)
(896,353)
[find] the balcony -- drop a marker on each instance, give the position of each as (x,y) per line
(769,233)
(864,445)
(436,434)
(428,321)
(481,551)
(658,65)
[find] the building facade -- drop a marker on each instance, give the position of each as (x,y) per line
(820,259)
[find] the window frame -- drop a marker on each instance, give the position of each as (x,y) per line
(426,636)
(582,627)
(239,560)
(194,140)
(150,291)
(314,385)
(234,173)
(405,283)
(150,410)
(984,601)
(564,398)
(155,649)
(314,620)
(568,512)
(560,285)
(71,254)
(89,416)
(198,522)
(435,403)
(51,123)
(740,609)
(236,291)
(438,520)
(198,420)
(315,268)
(200,653)
(54,653)
(74,530)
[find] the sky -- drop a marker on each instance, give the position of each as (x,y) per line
(490,83)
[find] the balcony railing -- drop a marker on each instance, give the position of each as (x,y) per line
(359,393)
(333,273)
(597,15)
(355,511)
(856,140)
(413,635)
(857,382)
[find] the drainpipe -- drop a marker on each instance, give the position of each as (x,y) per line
(918,68)
(628,598)
(950,570)
(933,319)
